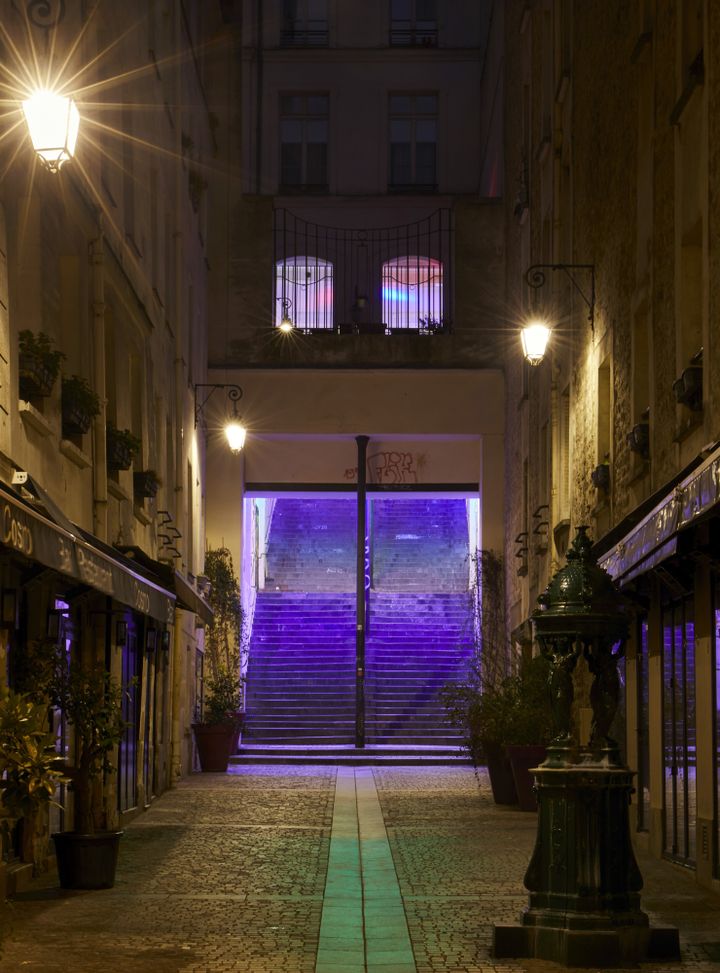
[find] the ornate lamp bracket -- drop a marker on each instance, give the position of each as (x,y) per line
(535,277)
(234,394)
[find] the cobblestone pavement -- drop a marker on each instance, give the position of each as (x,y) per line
(226,874)
(460,860)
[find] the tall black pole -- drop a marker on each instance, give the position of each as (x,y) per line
(362,442)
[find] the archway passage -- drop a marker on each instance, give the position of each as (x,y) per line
(420,620)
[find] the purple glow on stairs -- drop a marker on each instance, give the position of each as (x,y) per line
(301,676)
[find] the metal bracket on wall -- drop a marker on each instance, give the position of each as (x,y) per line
(535,277)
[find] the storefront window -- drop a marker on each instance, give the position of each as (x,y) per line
(643,728)
(716,631)
(679,730)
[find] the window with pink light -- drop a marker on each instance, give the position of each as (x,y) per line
(412,293)
(304,293)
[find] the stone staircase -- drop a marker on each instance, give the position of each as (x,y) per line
(301,670)
(415,643)
(301,674)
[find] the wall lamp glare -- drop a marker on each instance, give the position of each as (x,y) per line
(235,431)
(535,334)
(286,322)
(534,337)
(53,122)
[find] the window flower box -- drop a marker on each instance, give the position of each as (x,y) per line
(80,404)
(600,476)
(38,365)
(145,484)
(638,439)
(122,446)
(688,388)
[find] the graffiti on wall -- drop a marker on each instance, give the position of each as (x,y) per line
(390,466)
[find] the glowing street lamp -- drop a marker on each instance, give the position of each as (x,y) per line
(286,322)
(53,122)
(235,431)
(534,337)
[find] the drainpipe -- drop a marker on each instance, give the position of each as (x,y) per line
(259,81)
(100,495)
(360,606)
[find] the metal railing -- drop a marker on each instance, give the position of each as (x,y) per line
(383,280)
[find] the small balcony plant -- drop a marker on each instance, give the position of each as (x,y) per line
(146,484)
(38,364)
(80,405)
(122,447)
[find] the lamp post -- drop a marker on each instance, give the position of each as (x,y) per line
(584,882)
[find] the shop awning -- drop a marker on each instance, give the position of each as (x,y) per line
(77,554)
(655,537)
(187,597)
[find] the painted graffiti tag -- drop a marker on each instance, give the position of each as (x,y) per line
(390,466)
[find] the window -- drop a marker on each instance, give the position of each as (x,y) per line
(304,290)
(303,141)
(305,23)
(679,730)
(643,726)
(412,293)
(413,22)
(413,142)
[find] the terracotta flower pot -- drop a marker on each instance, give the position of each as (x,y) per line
(214,743)
(522,759)
(502,782)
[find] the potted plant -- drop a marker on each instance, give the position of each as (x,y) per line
(122,447)
(90,701)
(146,483)
(216,735)
(38,364)
(80,404)
(31,771)
(479,705)
(530,726)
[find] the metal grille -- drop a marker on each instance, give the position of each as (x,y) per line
(387,280)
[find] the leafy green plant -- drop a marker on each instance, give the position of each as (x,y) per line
(224,640)
(39,362)
(91,702)
(30,767)
(124,437)
(76,392)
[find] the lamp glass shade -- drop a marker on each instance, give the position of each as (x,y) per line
(534,337)
(235,432)
(53,122)
(286,325)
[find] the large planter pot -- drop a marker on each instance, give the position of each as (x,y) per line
(522,758)
(214,743)
(502,782)
(87,861)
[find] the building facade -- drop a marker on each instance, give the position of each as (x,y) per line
(363,214)
(105,262)
(610,115)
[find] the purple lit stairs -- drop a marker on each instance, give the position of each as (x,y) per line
(301,675)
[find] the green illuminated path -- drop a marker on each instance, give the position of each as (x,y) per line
(363,926)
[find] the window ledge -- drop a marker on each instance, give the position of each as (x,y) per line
(688,426)
(115,490)
(142,515)
(75,454)
(33,418)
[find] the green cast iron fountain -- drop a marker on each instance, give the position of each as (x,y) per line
(583,880)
